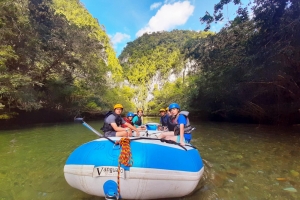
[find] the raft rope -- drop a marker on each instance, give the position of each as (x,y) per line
(124,158)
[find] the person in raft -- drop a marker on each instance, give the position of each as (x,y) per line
(128,119)
(182,128)
(113,122)
(168,112)
(137,119)
(164,117)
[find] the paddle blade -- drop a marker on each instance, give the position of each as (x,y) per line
(78,120)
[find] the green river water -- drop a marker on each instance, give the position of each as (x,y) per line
(241,161)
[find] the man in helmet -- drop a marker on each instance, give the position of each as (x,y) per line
(113,122)
(168,112)
(182,128)
(137,120)
(163,119)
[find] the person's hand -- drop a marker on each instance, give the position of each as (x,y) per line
(129,132)
(160,128)
(137,133)
(143,127)
(182,143)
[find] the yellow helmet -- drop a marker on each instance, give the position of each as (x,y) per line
(162,110)
(167,108)
(118,106)
(139,110)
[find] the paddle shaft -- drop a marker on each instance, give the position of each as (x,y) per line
(92,129)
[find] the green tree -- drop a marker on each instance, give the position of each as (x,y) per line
(249,69)
(54,55)
(152,59)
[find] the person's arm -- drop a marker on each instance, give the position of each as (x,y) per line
(133,128)
(182,123)
(123,125)
(116,128)
(181,126)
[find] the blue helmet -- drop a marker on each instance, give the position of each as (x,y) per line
(174,105)
(130,114)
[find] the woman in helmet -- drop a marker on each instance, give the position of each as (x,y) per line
(137,119)
(113,122)
(182,128)
(128,119)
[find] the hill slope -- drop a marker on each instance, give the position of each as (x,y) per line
(155,59)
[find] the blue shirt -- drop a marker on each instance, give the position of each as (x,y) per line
(181,120)
(164,120)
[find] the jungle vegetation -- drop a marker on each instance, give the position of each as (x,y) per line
(150,61)
(250,70)
(247,72)
(55,56)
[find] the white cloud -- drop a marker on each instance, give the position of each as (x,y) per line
(168,17)
(119,37)
(155,5)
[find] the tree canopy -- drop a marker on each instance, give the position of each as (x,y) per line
(54,55)
(151,60)
(250,69)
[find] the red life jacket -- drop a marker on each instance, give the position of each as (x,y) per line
(128,121)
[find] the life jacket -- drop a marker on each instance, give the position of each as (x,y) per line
(139,121)
(170,123)
(128,121)
(164,120)
(187,128)
(107,127)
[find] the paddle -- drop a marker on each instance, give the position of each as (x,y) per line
(80,120)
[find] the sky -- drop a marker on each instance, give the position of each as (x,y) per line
(126,20)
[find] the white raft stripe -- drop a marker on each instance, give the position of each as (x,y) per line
(136,173)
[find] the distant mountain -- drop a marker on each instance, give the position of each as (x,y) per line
(153,60)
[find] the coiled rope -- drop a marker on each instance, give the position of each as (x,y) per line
(124,158)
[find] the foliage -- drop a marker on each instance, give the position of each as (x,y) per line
(250,70)
(218,15)
(78,15)
(171,92)
(121,95)
(53,55)
(152,59)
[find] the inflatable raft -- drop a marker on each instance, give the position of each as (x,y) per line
(159,169)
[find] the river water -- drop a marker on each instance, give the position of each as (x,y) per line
(241,161)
